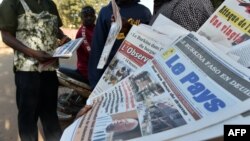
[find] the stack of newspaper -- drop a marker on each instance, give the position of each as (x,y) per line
(166,83)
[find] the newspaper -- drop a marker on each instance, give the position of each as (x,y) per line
(215,131)
(168,27)
(64,51)
(149,40)
(229,25)
(113,32)
(139,46)
(179,92)
(67,49)
(204,134)
(241,53)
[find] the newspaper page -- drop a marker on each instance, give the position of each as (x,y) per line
(217,130)
(168,27)
(139,46)
(241,53)
(229,25)
(67,49)
(113,32)
(210,66)
(149,40)
(179,92)
(204,134)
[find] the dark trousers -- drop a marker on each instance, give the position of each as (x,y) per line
(36,98)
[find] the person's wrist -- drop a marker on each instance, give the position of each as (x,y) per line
(64,39)
(32,54)
(86,107)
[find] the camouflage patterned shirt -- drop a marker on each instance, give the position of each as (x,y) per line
(37,31)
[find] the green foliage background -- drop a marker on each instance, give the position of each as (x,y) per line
(69,10)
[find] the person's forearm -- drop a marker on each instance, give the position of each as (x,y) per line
(62,37)
(60,34)
(83,111)
(12,42)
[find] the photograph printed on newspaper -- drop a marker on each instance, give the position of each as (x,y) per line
(139,46)
(179,92)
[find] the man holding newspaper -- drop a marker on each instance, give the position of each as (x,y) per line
(131,13)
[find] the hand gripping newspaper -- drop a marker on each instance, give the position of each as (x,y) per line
(113,32)
(67,49)
(64,51)
(179,92)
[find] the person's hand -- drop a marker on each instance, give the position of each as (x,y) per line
(112,18)
(42,56)
(64,40)
(126,26)
(83,111)
(125,22)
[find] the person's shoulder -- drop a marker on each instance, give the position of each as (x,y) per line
(9,2)
(9,5)
(201,5)
(142,7)
(51,2)
(197,3)
(106,10)
(107,7)
(145,11)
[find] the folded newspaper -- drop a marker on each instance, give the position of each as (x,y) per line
(139,46)
(67,49)
(186,91)
(179,92)
(229,25)
(113,32)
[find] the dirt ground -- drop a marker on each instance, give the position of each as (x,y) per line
(8,112)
